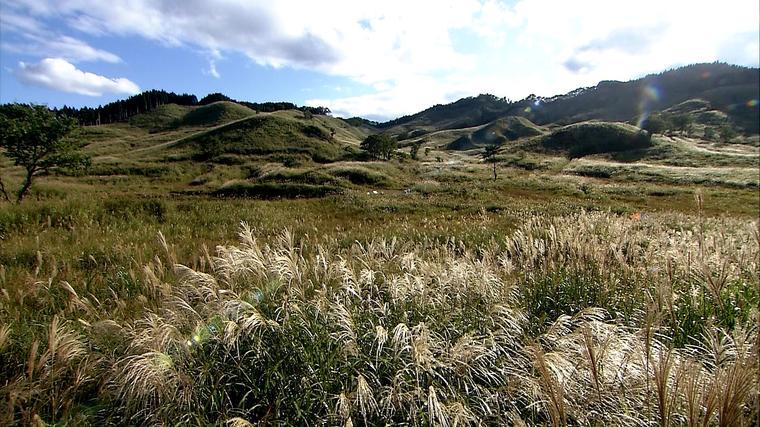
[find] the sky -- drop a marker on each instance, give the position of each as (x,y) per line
(375,59)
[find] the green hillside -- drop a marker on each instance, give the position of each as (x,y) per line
(215,114)
(498,132)
(163,117)
(169,116)
(587,138)
(265,135)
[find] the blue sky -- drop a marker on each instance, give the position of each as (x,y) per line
(377,59)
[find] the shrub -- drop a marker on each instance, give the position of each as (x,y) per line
(269,190)
(361,176)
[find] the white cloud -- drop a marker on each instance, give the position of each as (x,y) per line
(77,50)
(212,71)
(71,49)
(59,74)
(408,53)
(405,97)
(34,38)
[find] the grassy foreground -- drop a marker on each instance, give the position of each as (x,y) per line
(361,309)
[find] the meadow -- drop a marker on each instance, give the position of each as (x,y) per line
(218,266)
(532,299)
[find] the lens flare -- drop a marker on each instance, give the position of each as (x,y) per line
(752,103)
(649,95)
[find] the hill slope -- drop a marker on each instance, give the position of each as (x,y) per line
(171,116)
(728,88)
(215,114)
(263,135)
(497,132)
(582,139)
(731,89)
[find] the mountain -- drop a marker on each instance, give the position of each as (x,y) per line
(466,112)
(730,89)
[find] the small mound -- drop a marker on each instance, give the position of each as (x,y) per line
(507,129)
(265,135)
(358,175)
(163,117)
(582,139)
(497,132)
(215,114)
(462,143)
(689,106)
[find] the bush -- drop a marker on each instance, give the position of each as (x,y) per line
(269,190)
(361,176)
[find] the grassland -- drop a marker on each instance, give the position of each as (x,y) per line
(586,291)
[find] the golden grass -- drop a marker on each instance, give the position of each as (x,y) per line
(296,329)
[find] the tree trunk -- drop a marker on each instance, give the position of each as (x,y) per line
(494,171)
(27,185)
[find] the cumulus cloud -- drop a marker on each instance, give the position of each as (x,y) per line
(59,74)
(408,52)
(367,41)
(71,49)
(32,37)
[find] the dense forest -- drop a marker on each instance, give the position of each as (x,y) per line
(122,110)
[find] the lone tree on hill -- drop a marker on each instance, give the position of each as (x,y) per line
(38,140)
(489,155)
(380,146)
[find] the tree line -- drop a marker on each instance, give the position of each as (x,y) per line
(122,110)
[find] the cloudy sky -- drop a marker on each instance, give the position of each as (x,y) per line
(377,59)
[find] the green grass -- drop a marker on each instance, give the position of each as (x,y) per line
(171,116)
(498,132)
(214,114)
(478,266)
(260,135)
(495,280)
(587,138)
(162,118)
(271,190)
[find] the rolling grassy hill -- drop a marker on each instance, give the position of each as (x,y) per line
(215,114)
(203,148)
(163,117)
(498,132)
(582,139)
(172,116)
(265,135)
